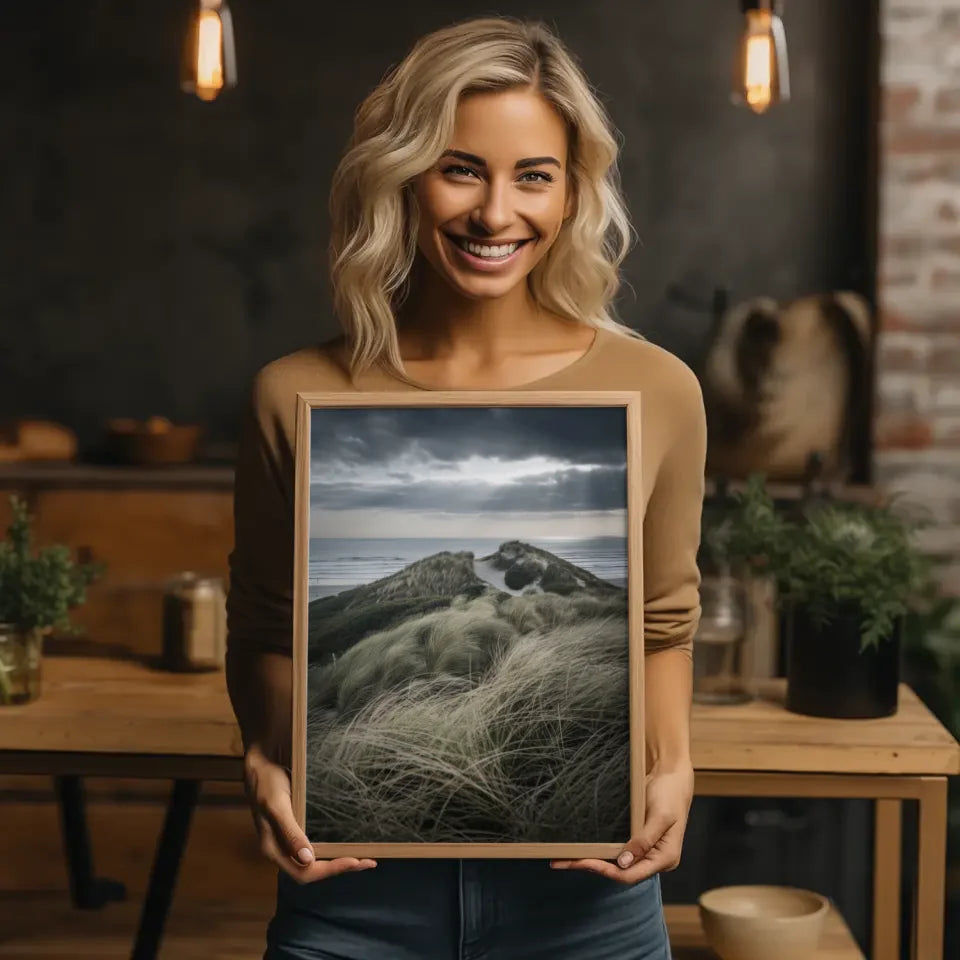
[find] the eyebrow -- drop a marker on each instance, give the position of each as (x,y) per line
(519,165)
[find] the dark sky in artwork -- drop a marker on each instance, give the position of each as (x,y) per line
(499,466)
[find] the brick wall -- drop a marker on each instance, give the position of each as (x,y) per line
(917,432)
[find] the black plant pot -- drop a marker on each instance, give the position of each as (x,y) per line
(829,676)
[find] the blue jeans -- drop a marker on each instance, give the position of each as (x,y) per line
(467,910)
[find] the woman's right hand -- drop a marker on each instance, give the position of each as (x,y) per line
(267,786)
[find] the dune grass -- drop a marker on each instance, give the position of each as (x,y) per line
(502,718)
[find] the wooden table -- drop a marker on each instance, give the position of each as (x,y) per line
(760,749)
(100,717)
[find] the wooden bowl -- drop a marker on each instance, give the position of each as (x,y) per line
(763,922)
(153,441)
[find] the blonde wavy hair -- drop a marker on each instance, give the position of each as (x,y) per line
(402,128)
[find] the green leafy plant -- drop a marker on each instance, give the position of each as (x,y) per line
(829,555)
(38,590)
(749,530)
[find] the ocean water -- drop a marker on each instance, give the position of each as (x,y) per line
(337,564)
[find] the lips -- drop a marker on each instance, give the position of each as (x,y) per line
(458,242)
(482,264)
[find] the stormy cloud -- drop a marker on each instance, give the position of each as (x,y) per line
(466,464)
(376,436)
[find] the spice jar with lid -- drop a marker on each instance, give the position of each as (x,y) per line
(194,623)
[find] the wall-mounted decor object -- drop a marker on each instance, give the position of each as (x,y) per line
(783,382)
(761,75)
(468,627)
(210,57)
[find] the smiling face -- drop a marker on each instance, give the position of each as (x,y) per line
(495,201)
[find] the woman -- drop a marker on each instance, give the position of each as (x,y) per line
(477,232)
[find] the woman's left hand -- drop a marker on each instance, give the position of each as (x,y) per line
(658,845)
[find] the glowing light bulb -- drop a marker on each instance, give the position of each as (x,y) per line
(758,69)
(209,55)
(210,62)
(761,76)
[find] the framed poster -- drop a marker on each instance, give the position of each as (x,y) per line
(468,625)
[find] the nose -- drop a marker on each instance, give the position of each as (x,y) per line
(494,213)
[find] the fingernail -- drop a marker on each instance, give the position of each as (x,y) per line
(625,858)
(305,855)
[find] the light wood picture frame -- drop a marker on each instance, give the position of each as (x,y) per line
(460,687)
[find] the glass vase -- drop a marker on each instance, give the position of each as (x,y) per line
(20,655)
(721,671)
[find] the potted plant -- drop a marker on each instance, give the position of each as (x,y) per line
(846,575)
(36,594)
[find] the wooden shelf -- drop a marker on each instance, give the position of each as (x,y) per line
(786,490)
(688,942)
(72,476)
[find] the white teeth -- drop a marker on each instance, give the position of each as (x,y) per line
(480,250)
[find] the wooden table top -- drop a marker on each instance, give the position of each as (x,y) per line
(131,710)
(763,735)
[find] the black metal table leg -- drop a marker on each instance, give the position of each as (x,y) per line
(86,891)
(166,863)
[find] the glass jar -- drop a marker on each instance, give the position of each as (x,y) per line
(20,654)
(720,661)
(194,623)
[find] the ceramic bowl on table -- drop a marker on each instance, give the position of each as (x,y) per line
(758,922)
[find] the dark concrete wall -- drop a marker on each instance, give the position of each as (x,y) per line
(155,250)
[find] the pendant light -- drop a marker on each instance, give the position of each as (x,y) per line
(761,76)
(210,58)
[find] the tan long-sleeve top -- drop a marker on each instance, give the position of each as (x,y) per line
(673,452)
